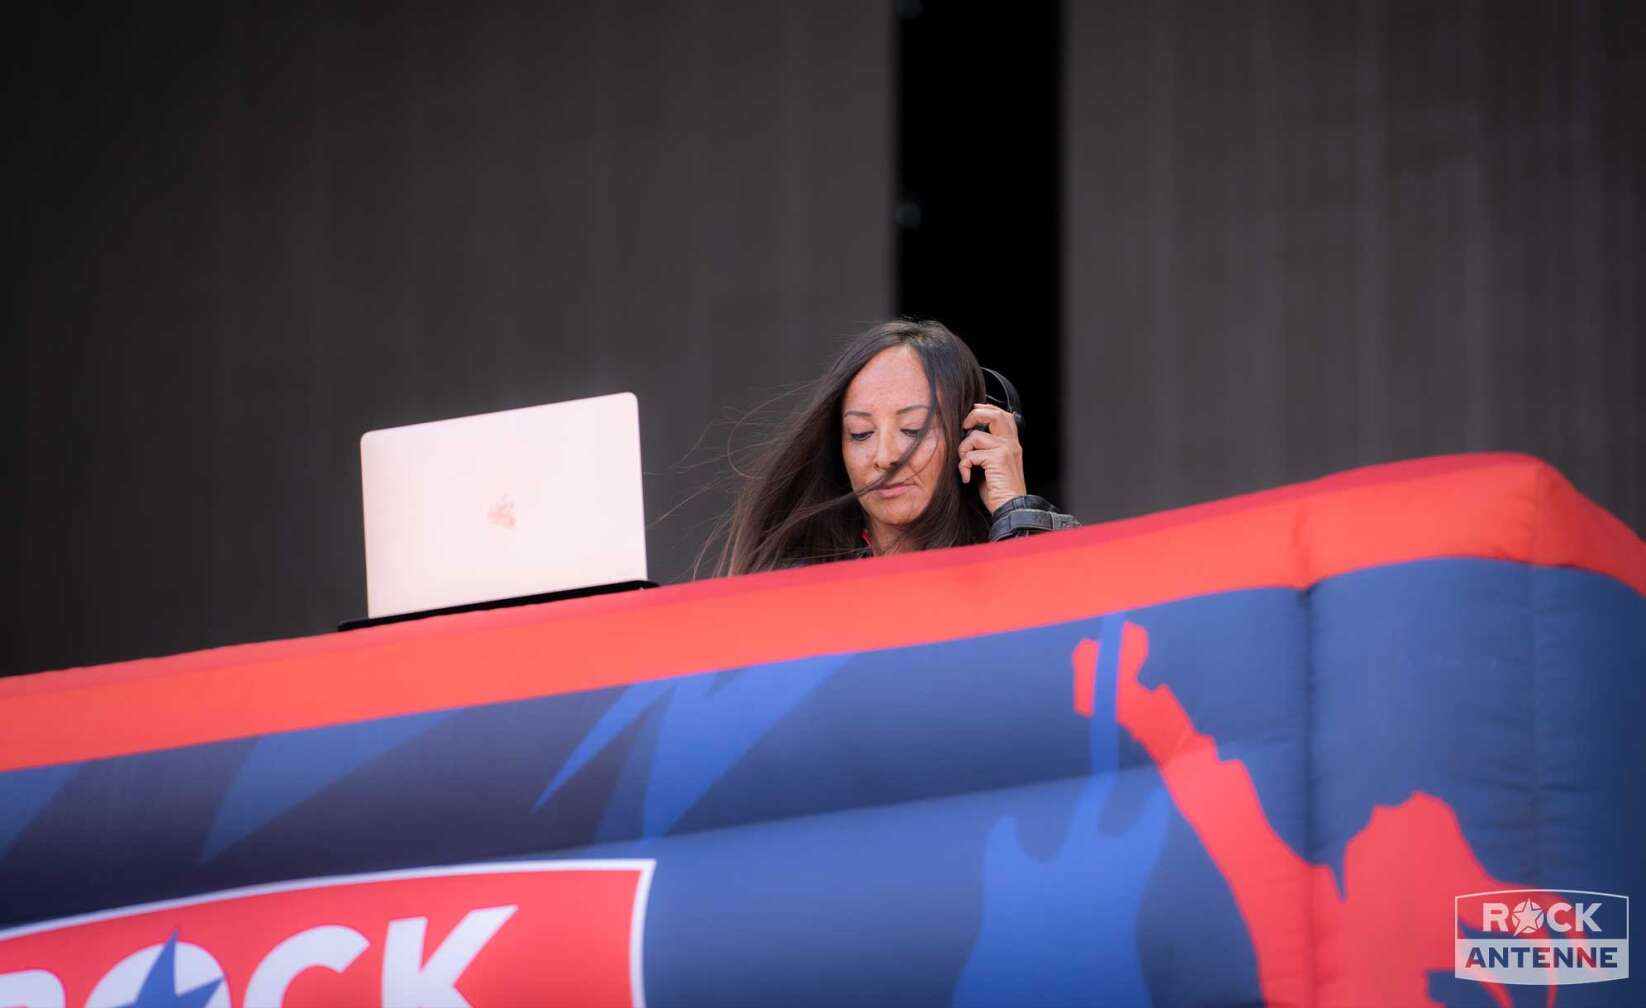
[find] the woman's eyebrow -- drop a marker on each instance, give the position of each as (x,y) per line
(858,412)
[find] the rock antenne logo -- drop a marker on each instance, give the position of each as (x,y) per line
(526,932)
(1543,937)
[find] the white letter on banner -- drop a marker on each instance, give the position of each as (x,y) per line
(408,982)
(1586,917)
(31,989)
(1556,908)
(331,945)
(1494,916)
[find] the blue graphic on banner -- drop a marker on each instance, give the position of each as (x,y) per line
(685,761)
(1028,921)
(23,793)
(282,771)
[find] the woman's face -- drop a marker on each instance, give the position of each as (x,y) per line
(884,409)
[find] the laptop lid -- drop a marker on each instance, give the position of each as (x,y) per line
(500,505)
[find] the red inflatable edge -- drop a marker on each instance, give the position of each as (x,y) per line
(1494,506)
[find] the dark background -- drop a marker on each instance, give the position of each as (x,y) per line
(1219,246)
(1303,237)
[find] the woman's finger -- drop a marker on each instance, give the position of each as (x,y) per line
(984,458)
(979,458)
(982,413)
(981,439)
(1001,423)
(1002,473)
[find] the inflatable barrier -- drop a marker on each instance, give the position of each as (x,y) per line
(1376,739)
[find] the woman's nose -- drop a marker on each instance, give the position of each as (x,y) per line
(885,452)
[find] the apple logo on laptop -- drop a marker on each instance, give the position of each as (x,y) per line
(502,513)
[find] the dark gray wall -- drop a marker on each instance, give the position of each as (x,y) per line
(1302,237)
(251,232)
(1297,238)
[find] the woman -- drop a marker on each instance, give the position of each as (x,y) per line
(898,450)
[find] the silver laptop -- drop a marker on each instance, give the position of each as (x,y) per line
(503,505)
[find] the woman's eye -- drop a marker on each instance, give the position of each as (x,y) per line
(859,437)
(912,433)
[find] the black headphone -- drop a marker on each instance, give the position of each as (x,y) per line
(1006,400)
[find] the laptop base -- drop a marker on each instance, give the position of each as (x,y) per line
(554,596)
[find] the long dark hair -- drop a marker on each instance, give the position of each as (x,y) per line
(798,505)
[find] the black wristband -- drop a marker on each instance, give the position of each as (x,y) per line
(1030,501)
(1025,515)
(1015,523)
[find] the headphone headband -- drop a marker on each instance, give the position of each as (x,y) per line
(1007,400)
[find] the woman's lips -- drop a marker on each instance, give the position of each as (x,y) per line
(892,489)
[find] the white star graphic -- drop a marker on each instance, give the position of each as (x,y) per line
(1528,917)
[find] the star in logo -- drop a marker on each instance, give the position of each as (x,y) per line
(1528,917)
(159,988)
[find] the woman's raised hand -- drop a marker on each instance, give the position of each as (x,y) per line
(996,451)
